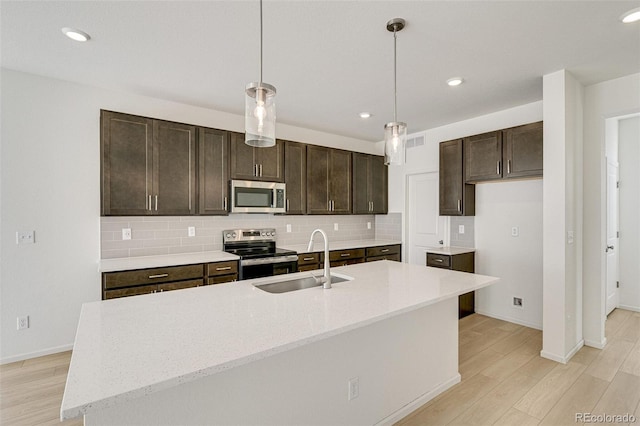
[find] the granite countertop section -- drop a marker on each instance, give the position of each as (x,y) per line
(318,245)
(142,262)
(130,347)
(450,251)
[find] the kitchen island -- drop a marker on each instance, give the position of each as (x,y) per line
(369,350)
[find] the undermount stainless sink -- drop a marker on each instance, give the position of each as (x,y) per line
(296,284)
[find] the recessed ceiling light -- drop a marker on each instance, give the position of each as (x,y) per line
(631,16)
(365,115)
(455,81)
(76,35)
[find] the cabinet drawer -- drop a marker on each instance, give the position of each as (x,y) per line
(222,279)
(180,285)
(383,250)
(152,275)
(346,254)
(345,262)
(131,291)
(222,268)
(393,256)
(438,260)
(307,258)
(309,267)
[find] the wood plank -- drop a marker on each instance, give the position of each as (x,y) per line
(609,360)
(629,330)
(581,397)
(621,397)
(478,362)
(631,364)
(519,337)
(585,356)
(508,364)
(516,417)
(538,367)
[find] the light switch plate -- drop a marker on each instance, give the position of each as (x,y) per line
(25,237)
(368,225)
(191,231)
(126,233)
(570,237)
(515,231)
(288,227)
(335,226)
(460,229)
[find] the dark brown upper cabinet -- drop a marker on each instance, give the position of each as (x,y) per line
(505,154)
(369,184)
(295,177)
(328,180)
(148,166)
(213,171)
(251,163)
(456,197)
(522,150)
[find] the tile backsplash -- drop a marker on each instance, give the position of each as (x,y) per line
(389,226)
(168,234)
(462,240)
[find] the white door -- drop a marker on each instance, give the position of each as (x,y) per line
(425,228)
(613,298)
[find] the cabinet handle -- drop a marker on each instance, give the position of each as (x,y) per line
(384,250)
(161,290)
(156,202)
(345,254)
(149,202)
(255,170)
(498,167)
(372,205)
(287,204)
(158,276)
(225,203)
(508,167)
(226,268)
(260,170)
(459,205)
(307,258)
(438,260)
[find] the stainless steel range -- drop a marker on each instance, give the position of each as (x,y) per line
(259,256)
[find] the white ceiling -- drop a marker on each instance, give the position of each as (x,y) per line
(329,60)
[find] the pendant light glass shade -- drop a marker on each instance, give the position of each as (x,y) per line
(395,132)
(395,137)
(260,115)
(260,109)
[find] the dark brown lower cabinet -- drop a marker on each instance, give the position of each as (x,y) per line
(154,280)
(346,257)
(390,252)
(464,262)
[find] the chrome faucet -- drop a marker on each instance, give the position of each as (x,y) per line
(326,279)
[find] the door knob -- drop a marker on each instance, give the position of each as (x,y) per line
(609,248)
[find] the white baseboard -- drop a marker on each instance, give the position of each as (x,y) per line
(597,345)
(629,308)
(509,319)
(36,354)
(413,405)
(563,359)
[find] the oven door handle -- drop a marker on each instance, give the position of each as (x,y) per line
(268,260)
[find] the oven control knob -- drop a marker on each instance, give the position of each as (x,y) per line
(273,234)
(228,236)
(233,235)
(264,234)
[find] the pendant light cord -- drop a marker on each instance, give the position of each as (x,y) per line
(395,79)
(261,42)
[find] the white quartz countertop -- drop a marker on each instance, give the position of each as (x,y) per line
(450,251)
(318,245)
(142,262)
(130,347)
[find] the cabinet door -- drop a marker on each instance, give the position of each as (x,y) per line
(270,162)
(483,157)
(523,151)
(340,181)
(295,176)
(455,197)
(126,144)
(378,185)
(317,180)
(213,171)
(174,168)
(361,183)
(243,164)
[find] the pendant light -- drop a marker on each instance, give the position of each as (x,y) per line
(395,132)
(260,109)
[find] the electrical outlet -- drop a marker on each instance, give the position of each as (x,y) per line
(126,233)
(335,226)
(354,388)
(460,229)
(368,225)
(517,302)
(515,231)
(23,322)
(191,231)
(288,227)
(25,237)
(570,237)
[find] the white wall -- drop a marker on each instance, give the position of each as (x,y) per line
(562,216)
(516,260)
(50,183)
(601,101)
(629,156)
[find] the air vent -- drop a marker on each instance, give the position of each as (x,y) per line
(415,141)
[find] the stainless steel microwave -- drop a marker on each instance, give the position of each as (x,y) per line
(249,196)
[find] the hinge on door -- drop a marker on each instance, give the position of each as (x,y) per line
(618,184)
(617,284)
(617,234)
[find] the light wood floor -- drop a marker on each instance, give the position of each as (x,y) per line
(504,380)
